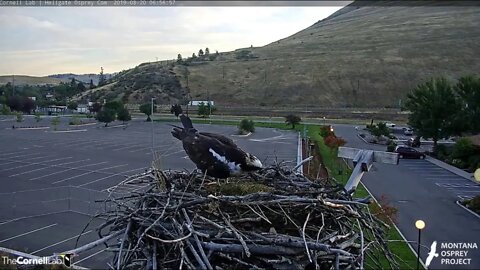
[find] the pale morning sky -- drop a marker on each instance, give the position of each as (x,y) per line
(41,41)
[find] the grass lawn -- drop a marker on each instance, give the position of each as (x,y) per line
(341,172)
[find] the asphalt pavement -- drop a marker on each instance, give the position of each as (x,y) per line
(422,190)
(50,177)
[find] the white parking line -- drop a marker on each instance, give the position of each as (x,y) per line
(25,160)
(70,169)
(49,166)
(34,163)
(9,158)
(106,177)
(58,243)
(453,185)
(11,153)
(123,148)
(29,232)
(66,179)
(88,257)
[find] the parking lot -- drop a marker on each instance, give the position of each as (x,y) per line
(49,178)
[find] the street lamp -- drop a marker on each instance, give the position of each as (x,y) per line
(419,224)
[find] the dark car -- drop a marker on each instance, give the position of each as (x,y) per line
(408,152)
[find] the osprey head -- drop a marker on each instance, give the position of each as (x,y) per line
(252,162)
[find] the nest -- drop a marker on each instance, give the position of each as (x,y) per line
(273,218)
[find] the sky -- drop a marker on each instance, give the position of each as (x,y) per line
(40,41)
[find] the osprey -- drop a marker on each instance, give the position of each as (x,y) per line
(214,154)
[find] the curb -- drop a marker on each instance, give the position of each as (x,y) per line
(365,141)
(67,131)
(245,135)
(19,128)
(466,208)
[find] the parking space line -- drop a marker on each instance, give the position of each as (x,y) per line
(70,169)
(106,177)
(11,153)
(44,168)
(34,163)
(60,242)
(66,179)
(29,232)
(21,156)
(24,160)
(88,257)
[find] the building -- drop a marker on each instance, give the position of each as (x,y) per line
(197,102)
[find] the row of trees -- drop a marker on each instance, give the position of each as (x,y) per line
(201,55)
(440,109)
(110,111)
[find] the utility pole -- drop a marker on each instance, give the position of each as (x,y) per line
(153,133)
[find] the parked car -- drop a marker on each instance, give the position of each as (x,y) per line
(408,152)
(390,124)
(414,142)
(408,132)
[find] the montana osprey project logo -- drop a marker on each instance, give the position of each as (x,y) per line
(454,254)
(432,253)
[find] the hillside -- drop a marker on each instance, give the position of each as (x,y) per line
(361,56)
(30,80)
(85,78)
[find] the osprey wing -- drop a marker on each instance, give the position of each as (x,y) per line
(223,139)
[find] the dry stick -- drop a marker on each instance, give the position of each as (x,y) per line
(202,252)
(305,240)
(121,244)
(239,237)
(154,256)
(361,244)
(190,246)
(169,241)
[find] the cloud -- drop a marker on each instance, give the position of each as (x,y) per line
(42,41)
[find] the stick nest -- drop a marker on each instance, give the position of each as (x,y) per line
(273,218)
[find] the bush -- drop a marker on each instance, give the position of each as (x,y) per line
(462,149)
(38,117)
(473,204)
(246,125)
(6,110)
(123,115)
(19,117)
(326,131)
(292,120)
(391,146)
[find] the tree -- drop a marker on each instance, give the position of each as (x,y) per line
(101,78)
(114,105)
(91,85)
(95,108)
(147,109)
(246,125)
(292,120)
(194,56)
(106,116)
(81,87)
(200,53)
(73,83)
(468,89)
(176,110)
(14,103)
(207,51)
(72,105)
(28,105)
(205,110)
(433,108)
(123,115)
(179,58)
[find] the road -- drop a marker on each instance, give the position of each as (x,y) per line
(422,190)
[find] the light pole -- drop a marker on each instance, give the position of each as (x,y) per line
(419,224)
(324,121)
(153,133)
